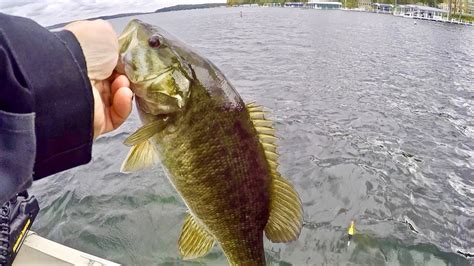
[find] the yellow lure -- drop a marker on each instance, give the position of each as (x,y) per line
(351,230)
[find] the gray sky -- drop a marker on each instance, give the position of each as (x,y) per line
(49,12)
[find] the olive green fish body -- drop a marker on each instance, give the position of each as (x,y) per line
(219,153)
(216,163)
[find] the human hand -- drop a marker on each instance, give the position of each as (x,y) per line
(112,94)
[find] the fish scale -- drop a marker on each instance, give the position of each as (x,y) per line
(214,159)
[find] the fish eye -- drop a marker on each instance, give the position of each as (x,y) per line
(154,41)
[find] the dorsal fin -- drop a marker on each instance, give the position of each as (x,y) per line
(286,213)
(266,134)
(195,241)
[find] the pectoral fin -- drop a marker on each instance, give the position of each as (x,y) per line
(195,241)
(286,212)
(145,132)
(141,156)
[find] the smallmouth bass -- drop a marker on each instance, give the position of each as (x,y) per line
(219,153)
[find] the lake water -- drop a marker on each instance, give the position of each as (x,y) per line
(376,119)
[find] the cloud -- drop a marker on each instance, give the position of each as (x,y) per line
(49,12)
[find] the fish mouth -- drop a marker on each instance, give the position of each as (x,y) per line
(124,66)
(136,80)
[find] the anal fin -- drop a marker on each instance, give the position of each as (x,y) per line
(195,241)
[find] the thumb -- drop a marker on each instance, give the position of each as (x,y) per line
(99,45)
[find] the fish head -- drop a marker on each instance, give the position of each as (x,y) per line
(159,76)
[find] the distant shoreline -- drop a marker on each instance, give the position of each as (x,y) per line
(213,5)
(165,9)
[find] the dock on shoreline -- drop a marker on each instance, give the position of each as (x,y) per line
(406,11)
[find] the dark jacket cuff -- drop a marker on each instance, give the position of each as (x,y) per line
(64,111)
(55,72)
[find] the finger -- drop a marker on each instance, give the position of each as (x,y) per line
(114,75)
(119,82)
(99,116)
(121,106)
(103,87)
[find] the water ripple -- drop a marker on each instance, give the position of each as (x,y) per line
(375,117)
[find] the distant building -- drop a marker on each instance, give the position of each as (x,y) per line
(324,5)
(272,4)
(365,4)
(383,8)
(294,4)
(249,5)
(421,12)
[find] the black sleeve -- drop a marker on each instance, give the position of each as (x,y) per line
(46,104)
